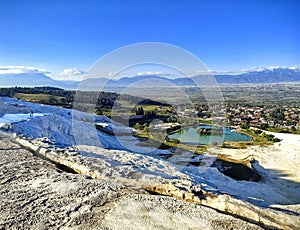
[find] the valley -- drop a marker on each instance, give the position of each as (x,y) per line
(192,151)
(114,152)
(159,115)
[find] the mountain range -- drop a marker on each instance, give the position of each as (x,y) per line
(256,76)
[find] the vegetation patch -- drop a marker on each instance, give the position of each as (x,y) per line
(41,98)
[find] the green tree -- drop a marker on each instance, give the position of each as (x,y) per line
(140,111)
(263,126)
(293,128)
(138,126)
(145,127)
(230,116)
(99,112)
(214,143)
(244,125)
(176,141)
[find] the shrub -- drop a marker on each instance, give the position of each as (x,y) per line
(98,112)
(257,131)
(176,141)
(214,143)
(244,125)
(137,126)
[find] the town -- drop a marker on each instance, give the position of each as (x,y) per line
(283,119)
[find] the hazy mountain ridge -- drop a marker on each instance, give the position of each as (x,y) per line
(256,76)
(262,76)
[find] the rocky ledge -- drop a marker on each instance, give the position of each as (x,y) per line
(79,192)
(35,194)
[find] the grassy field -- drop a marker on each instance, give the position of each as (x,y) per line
(283,130)
(41,98)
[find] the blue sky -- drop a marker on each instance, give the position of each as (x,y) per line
(225,35)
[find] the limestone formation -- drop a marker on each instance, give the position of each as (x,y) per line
(36,194)
(125,179)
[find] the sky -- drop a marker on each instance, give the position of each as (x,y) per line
(225,35)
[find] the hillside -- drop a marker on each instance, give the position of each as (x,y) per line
(57,135)
(93,101)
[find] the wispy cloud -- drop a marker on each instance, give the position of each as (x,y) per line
(21,69)
(151,73)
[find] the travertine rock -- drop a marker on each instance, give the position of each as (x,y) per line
(181,189)
(35,194)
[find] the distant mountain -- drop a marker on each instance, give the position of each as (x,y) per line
(126,81)
(111,84)
(72,85)
(256,76)
(27,80)
(184,81)
(34,79)
(267,75)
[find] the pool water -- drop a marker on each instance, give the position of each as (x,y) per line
(192,137)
